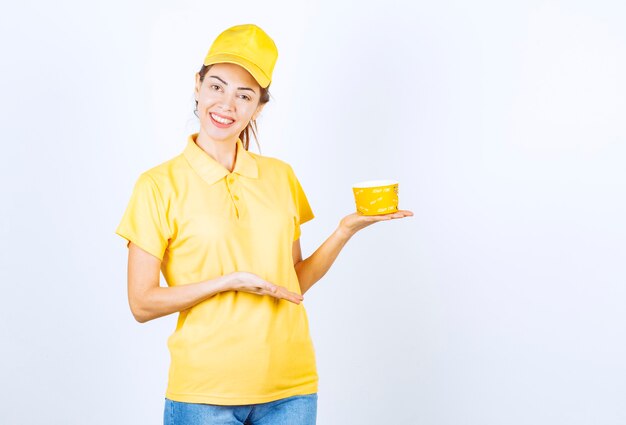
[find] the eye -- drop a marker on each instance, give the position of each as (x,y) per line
(215,85)
(246,97)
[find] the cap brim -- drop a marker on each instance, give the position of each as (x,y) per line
(254,70)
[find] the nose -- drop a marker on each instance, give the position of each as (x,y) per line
(228,102)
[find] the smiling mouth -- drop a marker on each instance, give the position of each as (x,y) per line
(221,120)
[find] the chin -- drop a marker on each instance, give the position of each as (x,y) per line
(220,134)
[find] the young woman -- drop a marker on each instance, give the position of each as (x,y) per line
(223,225)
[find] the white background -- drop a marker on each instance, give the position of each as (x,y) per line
(500,302)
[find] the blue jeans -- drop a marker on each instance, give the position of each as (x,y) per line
(298,409)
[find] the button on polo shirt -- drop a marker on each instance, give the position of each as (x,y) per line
(204,221)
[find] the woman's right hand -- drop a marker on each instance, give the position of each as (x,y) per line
(252,283)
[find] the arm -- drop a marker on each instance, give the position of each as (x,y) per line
(148,300)
(314,267)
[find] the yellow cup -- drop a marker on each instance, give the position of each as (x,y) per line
(375,197)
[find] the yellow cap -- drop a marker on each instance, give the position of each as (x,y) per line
(248,46)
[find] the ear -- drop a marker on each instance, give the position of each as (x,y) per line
(196,91)
(258,111)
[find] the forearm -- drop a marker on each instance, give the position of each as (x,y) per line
(161,301)
(315,267)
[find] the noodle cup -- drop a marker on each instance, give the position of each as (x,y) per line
(376,197)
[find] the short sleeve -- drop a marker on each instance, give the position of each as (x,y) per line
(304,212)
(144,222)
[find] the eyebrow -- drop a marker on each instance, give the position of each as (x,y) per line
(238,88)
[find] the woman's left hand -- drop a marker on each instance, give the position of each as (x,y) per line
(354,222)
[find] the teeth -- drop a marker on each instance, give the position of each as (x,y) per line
(222,120)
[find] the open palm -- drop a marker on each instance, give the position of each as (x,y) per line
(354,222)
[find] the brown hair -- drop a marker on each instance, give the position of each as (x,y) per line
(251,127)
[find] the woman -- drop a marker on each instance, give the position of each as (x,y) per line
(223,224)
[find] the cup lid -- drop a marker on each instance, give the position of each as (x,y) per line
(374,183)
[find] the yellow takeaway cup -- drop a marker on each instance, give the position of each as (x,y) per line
(375,197)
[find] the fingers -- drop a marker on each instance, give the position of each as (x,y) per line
(285,294)
(397,214)
(255,284)
(388,216)
(281,292)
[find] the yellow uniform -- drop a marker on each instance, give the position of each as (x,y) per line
(204,221)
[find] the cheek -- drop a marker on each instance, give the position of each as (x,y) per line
(205,99)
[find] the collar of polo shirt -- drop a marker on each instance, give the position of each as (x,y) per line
(212,171)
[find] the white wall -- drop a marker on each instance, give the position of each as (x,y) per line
(500,302)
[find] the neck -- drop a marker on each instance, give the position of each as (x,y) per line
(223,151)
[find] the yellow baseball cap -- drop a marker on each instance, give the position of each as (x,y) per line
(248,46)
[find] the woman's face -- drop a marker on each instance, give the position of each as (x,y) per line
(228,98)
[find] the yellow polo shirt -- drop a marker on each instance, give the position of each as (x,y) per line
(203,221)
